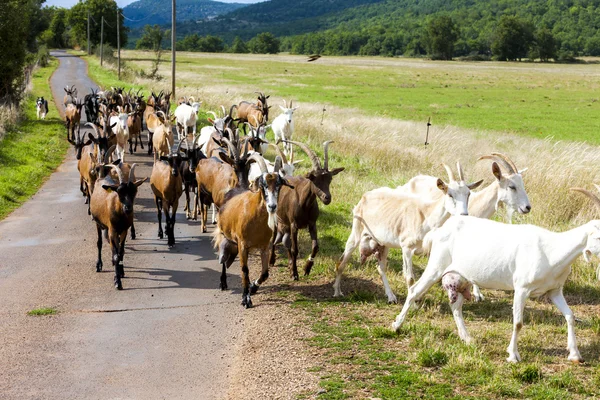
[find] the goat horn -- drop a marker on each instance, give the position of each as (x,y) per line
(500,160)
(223,109)
(255,119)
(232,150)
(279,152)
(311,154)
(131,174)
(94,127)
(450,173)
(213,114)
(179,147)
(285,104)
(591,195)
(461,174)
(109,153)
(246,141)
(231,109)
(326,151)
(291,102)
(260,161)
(118,171)
(513,167)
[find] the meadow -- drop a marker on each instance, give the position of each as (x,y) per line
(31,150)
(544,117)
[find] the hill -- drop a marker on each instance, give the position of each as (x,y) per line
(144,12)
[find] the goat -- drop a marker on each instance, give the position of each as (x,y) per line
(257,137)
(188,173)
(166,185)
(134,126)
(299,209)
(151,118)
(41,106)
(506,189)
(283,126)
(72,117)
(112,210)
(387,218)
(91,101)
(163,139)
(219,126)
(186,117)
(78,143)
(122,133)
(70,96)
(246,222)
(260,110)
(287,168)
(529,260)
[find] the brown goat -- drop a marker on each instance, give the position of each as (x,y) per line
(73,117)
(254,113)
(299,209)
(246,222)
(112,209)
(163,139)
(166,184)
(134,124)
(70,96)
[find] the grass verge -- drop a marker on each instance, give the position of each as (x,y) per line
(42,311)
(31,151)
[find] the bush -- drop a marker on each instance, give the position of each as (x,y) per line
(109,54)
(43,56)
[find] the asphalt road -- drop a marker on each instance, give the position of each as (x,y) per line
(170,334)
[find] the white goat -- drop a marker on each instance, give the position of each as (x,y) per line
(527,259)
(122,131)
(287,168)
(388,218)
(187,117)
(283,127)
(506,189)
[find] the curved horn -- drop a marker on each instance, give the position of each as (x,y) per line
(231,110)
(513,167)
(311,154)
(260,161)
(591,195)
(179,147)
(213,114)
(94,127)
(291,101)
(502,161)
(279,153)
(109,153)
(131,174)
(223,109)
(326,151)
(461,173)
(118,171)
(232,150)
(285,104)
(449,171)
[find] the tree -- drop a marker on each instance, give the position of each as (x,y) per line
(545,45)
(55,35)
(441,34)
(77,19)
(264,43)
(238,46)
(513,39)
(152,39)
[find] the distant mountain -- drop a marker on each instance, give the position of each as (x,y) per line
(150,12)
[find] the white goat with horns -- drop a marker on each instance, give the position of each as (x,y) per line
(283,127)
(527,259)
(388,218)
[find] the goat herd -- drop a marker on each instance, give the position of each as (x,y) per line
(261,204)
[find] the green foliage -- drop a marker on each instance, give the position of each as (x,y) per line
(42,311)
(56,34)
(208,44)
(528,373)
(431,358)
(513,39)
(441,34)
(77,20)
(153,38)
(545,45)
(264,43)
(238,46)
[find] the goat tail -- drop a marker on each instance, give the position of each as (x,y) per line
(217,238)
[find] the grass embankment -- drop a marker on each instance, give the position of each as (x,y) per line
(31,151)
(358,356)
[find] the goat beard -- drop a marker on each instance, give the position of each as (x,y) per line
(272,221)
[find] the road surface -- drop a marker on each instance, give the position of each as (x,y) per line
(170,334)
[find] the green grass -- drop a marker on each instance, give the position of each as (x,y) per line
(30,152)
(42,311)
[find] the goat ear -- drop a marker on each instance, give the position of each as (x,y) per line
(294,163)
(139,182)
(267,97)
(210,120)
(523,170)
(294,109)
(87,143)
(496,171)
(117,162)
(226,158)
(336,171)
(286,183)
(110,187)
(442,185)
(71,141)
(92,138)
(475,185)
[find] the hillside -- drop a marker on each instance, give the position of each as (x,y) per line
(144,12)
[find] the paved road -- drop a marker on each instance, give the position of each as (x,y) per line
(170,334)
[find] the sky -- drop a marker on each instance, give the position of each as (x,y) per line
(123,3)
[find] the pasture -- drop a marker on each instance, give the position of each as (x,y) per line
(376,109)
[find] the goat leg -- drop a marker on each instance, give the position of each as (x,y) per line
(115,260)
(272,247)
(187,201)
(158,202)
(130,145)
(122,254)
(196,201)
(264,275)
(99,244)
(133,231)
(293,252)
(312,229)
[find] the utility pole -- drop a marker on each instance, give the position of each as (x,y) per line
(88,33)
(118,45)
(102,41)
(173,23)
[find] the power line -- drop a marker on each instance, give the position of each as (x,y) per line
(138,20)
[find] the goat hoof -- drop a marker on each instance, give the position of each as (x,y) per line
(99,267)
(253,288)
(246,301)
(86,200)
(223,285)
(160,235)
(295,277)
(133,236)
(204,230)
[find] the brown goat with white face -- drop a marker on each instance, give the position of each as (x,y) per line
(167,186)
(70,96)
(299,209)
(246,222)
(112,209)
(163,139)
(73,117)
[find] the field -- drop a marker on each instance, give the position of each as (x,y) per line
(376,109)
(31,151)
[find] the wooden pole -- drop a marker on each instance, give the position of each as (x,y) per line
(88,33)
(118,46)
(102,41)
(173,25)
